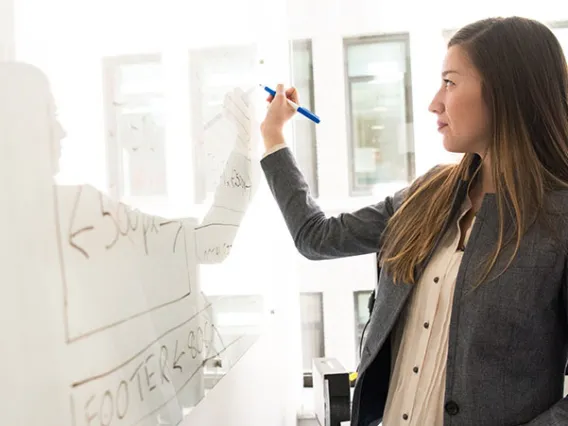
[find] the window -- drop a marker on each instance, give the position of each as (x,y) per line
(448,34)
(213,72)
(304,130)
(361,317)
(237,321)
(311,316)
(380,112)
(560,30)
(134,106)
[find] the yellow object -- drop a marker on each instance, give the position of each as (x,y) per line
(353,376)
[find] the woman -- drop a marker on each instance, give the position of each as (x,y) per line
(470,324)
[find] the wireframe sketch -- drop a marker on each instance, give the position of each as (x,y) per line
(111,293)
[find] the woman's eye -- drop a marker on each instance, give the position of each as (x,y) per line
(448,83)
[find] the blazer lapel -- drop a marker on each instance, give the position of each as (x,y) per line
(391,298)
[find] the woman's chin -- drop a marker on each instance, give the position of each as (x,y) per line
(453,147)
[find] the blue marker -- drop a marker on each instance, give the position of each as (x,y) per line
(306,113)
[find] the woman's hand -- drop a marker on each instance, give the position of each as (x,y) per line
(236,108)
(279,112)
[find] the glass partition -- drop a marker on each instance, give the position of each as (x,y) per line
(133,137)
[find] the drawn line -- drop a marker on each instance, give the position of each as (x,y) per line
(72,403)
(227,208)
(122,321)
(180,223)
(74,234)
(140,352)
(187,262)
(176,238)
(186,383)
(215,224)
(218,335)
(72,221)
(61,261)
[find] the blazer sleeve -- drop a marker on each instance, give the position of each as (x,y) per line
(316,236)
(557,415)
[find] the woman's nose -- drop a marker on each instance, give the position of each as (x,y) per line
(60,131)
(436,106)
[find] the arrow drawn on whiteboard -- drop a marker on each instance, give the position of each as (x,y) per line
(74,234)
(176,358)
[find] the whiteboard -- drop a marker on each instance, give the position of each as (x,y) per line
(103,305)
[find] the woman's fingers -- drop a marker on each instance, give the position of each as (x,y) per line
(292,94)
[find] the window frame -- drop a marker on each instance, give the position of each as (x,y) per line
(447,33)
(114,156)
(194,58)
(562,24)
(311,170)
(403,37)
(307,374)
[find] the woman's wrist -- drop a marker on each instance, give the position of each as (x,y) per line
(272,139)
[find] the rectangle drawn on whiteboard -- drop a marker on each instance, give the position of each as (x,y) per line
(116,263)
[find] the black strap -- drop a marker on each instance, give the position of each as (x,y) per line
(371,302)
(370,306)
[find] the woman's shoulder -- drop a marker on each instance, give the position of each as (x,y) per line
(556,214)
(558,195)
(556,202)
(438,169)
(437,173)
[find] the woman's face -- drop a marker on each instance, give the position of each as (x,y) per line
(463,116)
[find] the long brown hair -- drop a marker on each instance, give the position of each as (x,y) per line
(525,86)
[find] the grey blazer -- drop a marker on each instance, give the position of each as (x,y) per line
(508,339)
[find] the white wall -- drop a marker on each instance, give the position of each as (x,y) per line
(6,30)
(251,393)
(327,23)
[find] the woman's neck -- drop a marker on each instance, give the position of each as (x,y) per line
(485,182)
